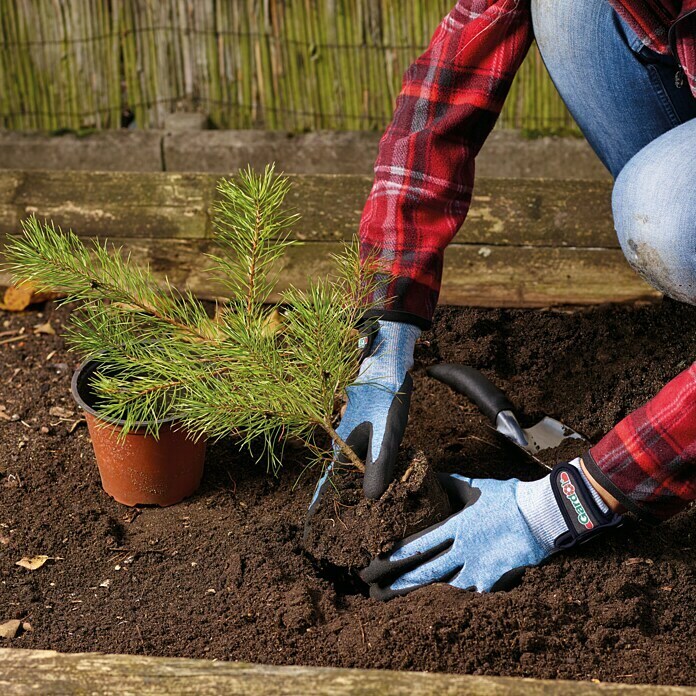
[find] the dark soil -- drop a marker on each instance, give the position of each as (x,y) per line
(567,450)
(224,575)
(347,530)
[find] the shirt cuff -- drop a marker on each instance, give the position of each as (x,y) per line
(605,482)
(398,316)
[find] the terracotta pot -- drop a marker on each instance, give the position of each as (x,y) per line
(140,469)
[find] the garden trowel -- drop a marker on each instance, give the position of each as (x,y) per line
(547,434)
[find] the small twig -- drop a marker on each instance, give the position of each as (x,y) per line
(362,629)
(480,439)
(73,427)
(338,515)
(142,642)
(12,340)
(119,549)
(234,483)
(344,505)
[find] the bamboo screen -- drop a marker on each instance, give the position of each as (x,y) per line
(277,64)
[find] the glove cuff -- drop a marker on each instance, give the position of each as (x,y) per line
(390,345)
(552,516)
(583,511)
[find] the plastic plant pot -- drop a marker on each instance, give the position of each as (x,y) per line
(139,469)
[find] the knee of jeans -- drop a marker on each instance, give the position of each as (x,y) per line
(655,219)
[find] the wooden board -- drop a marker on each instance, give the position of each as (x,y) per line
(526,243)
(535,212)
(474,275)
(50,673)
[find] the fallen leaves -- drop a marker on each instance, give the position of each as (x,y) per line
(36,562)
(9,629)
(18,297)
(46,329)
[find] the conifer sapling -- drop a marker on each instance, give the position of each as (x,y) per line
(255,371)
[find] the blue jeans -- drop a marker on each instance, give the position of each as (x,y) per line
(635,108)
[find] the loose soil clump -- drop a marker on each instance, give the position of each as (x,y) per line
(347,530)
(225,574)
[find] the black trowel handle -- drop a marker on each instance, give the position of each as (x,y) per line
(470,382)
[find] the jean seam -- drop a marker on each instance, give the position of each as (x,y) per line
(663,96)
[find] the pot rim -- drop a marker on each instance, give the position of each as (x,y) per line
(119,423)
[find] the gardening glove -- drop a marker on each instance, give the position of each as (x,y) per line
(500,529)
(375,417)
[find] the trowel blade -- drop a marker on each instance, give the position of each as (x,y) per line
(548,433)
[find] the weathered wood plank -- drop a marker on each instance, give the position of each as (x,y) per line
(49,673)
(53,188)
(112,220)
(507,276)
(125,204)
(9,183)
(473,275)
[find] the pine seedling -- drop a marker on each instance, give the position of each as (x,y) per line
(262,375)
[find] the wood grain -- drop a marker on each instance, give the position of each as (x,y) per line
(526,243)
(50,673)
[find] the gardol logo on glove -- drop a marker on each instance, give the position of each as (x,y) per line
(569,491)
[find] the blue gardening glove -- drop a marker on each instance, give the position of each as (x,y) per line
(500,529)
(376,414)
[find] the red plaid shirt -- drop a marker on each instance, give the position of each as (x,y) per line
(648,461)
(424,175)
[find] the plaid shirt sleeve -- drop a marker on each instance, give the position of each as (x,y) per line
(424,174)
(648,461)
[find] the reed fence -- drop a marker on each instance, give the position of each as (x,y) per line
(278,64)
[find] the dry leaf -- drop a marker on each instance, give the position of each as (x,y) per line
(9,629)
(45,329)
(35,562)
(18,297)
(636,561)
(60,412)
(272,323)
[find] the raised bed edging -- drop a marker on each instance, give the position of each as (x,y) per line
(526,242)
(505,154)
(47,672)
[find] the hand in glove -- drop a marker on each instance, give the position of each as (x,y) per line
(375,417)
(500,529)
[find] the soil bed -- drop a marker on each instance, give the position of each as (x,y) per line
(224,575)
